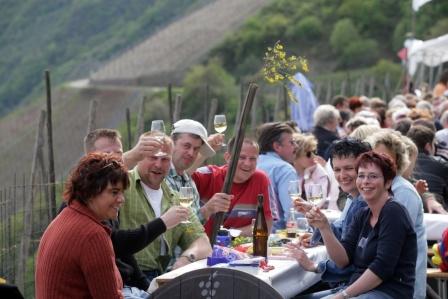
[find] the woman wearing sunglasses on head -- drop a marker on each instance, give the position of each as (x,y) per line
(380,242)
(307,165)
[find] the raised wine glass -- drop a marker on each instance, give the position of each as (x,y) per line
(220,124)
(186,198)
(314,193)
(158,130)
(294,191)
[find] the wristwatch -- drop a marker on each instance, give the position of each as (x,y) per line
(190,257)
(344,294)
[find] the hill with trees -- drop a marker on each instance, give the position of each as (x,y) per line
(72,38)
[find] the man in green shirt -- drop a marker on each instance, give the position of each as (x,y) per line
(149,196)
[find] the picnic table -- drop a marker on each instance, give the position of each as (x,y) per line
(286,280)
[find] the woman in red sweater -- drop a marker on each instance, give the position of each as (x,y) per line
(75,257)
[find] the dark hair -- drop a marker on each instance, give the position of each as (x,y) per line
(348,147)
(444,78)
(269,133)
(338,100)
(425,123)
(403,125)
(421,136)
(384,162)
(92,175)
(93,136)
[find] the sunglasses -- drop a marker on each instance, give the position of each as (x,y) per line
(309,154)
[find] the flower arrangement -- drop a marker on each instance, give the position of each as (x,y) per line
(280,68)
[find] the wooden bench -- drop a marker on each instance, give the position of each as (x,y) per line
(442,278)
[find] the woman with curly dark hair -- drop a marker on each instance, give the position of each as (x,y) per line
(75,257)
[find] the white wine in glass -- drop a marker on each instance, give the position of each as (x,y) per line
(294,190)
(186,198)
(158,130)
(314,193)
(220,123)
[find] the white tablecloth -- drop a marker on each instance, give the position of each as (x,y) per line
(288,278)
(435,223)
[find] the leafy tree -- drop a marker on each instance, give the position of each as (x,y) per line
(220,84)
(360,53)
(344,32)
(308,29)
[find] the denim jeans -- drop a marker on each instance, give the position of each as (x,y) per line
(134,293)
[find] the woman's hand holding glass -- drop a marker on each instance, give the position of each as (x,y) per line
(317,219)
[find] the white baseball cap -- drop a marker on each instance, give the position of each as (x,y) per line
(193,127)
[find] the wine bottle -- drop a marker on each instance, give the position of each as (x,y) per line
(260,232)
(291,224)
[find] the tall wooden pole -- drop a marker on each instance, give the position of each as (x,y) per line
(52,200)
(128,126)
(239,137)
(170,102)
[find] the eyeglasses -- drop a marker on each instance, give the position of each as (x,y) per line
(370,177)
(309,154)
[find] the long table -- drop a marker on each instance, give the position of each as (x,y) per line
(435,224)
(288,278)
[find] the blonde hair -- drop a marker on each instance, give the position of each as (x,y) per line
(305,143)
(363,131)
(394,142)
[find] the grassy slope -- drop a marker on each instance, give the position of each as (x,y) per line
(71,38)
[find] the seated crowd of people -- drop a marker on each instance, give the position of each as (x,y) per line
(382,164)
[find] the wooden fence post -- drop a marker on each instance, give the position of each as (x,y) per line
(329,92)
(128,127)
(318,91)
(91,125)
(371,86)
(141,119)
(285,104)
(240,104)
(177,108)
(28,210)
(211,114)
(206,96)
(170,101)
(52,178)
(342,91)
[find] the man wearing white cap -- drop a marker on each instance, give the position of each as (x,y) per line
(191,140)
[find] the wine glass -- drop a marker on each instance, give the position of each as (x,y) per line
(314,193)
(294,190)
(220,124)
(158,131)
(186,198)
(302,226)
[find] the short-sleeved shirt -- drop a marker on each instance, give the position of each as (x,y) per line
(137,210)
(243,208)
(389,249)
(280,172)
